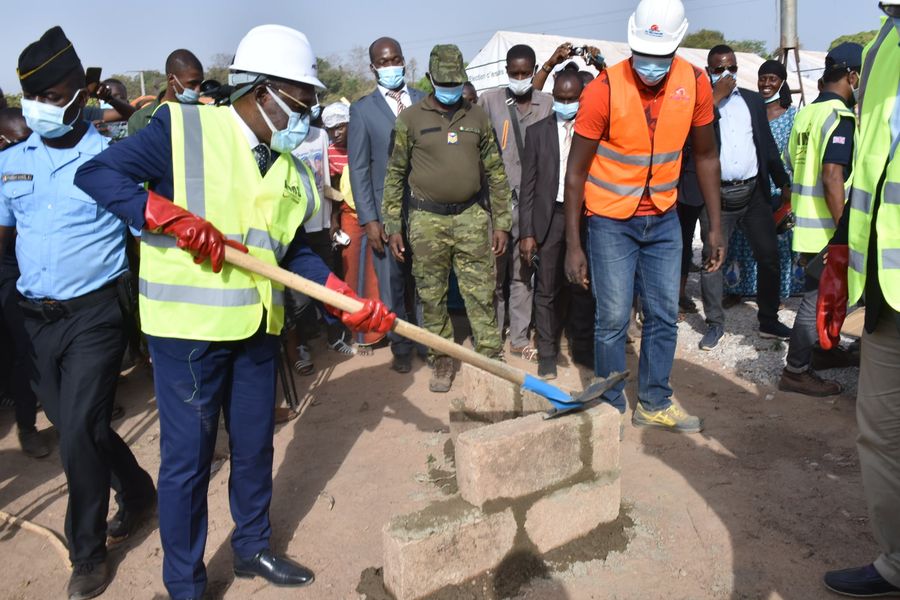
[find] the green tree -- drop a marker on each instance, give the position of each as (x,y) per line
(862,38)
(707,38)
(13,100)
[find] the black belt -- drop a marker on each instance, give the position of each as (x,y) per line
(54,310)
(735,182)
(442,208)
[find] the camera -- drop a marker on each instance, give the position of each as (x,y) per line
(218,92)
(579,51)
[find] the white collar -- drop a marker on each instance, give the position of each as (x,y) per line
(384,91)
(252,140)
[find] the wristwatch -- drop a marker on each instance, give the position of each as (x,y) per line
(546,68)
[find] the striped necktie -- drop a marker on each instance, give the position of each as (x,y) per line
(397,96)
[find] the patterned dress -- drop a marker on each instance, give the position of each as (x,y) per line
(740,266)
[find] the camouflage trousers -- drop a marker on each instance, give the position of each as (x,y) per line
(463,242)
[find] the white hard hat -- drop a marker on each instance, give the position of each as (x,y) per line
(277,51)
(656,27)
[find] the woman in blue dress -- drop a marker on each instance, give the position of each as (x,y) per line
(740,267)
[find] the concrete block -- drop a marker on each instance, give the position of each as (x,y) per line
(605,423)
(447,543)
(572,512)
(489,398)
(518,457)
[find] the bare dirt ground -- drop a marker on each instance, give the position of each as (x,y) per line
(758,506)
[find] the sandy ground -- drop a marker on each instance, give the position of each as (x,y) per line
(758,506)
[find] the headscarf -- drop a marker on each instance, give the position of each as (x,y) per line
(773,67)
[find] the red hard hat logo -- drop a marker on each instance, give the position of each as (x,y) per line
(654,28)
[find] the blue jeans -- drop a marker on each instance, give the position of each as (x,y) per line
(639,253)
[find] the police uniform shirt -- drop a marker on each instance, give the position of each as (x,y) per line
(839,147)
(67,246)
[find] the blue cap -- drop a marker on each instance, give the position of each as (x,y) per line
(846,56)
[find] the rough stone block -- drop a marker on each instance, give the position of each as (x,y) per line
(444,544)
(518,457)
(605,424)
(489,398)
(572,512)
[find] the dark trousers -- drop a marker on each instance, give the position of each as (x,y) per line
(15,351)
(77,362)
(195,381)
(688,216)
(755,220)
(556,302)
(394,281)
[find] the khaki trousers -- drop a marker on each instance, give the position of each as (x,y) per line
(878,414)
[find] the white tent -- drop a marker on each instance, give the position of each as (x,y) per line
(488,68)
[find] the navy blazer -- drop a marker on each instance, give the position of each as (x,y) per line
(368,149)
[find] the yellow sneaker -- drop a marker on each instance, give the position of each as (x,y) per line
(672,418)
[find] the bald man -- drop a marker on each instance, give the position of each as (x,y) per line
(184,74)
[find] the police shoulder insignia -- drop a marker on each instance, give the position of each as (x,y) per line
(16,177)
(452,137)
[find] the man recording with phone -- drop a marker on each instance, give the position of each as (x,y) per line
(590,55)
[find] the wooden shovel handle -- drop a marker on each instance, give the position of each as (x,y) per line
(348,304)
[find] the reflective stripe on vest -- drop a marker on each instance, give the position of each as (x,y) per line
(628,164)
(876,175)
(813,126)
(262,212)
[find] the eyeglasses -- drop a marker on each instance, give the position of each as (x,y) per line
(303,107)
(891,10)
(719,70)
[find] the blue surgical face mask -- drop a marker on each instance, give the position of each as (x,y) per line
(565,111)
(47,120)
(315,111)
(187,95)
(285,140)
(651,69)
(447,95)
(391,77)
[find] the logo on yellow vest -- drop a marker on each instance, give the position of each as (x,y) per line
(293,193)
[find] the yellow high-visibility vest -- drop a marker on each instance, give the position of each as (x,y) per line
(216,177)
(813,127)
(876,174)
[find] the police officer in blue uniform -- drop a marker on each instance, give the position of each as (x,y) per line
(71,255)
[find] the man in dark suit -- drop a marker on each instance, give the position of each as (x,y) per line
(368,148)
(542,229)
(749,156)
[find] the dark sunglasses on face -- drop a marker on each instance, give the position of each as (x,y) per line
(719,70)
(891,10)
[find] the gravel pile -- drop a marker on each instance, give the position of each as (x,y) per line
(741,350)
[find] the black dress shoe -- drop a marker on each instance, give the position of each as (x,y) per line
(88,581)
(274,569)
(861,582)
(129,519)
(402,363)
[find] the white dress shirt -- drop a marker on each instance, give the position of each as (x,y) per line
(738,152)
(404,96)
(564,131)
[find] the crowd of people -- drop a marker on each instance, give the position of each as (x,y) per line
(546,216)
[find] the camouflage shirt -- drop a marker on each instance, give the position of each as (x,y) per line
(442,160)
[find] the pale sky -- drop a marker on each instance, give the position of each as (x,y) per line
(128,36)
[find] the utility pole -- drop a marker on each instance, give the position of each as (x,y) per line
(143,88)
(790,43)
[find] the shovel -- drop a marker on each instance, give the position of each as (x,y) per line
(562,402)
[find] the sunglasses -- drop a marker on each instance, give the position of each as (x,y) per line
(719,70)
(891,10)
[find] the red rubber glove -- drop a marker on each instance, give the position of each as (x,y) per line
(373,317)
(192,232)
(831,308)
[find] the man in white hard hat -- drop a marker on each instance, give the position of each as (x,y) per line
(623,171)
(863,261)
(213,329)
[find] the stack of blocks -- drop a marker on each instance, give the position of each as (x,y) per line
(526,484)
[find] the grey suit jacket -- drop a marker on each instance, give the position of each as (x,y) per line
(368,149)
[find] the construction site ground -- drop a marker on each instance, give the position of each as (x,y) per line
(759,505)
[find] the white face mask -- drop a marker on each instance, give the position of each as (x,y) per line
(520,87)
(47,120)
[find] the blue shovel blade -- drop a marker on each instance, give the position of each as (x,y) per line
(558,398)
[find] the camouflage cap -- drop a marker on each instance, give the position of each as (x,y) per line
(446,64)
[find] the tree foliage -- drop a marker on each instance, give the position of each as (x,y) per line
(862,38)
(707,38)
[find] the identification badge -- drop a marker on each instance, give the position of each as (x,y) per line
(17,177)
(452,137)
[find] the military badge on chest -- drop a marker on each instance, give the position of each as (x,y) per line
(452,137)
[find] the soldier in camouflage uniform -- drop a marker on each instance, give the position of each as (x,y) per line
(440,146)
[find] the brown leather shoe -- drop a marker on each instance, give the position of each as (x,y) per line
(836,358)
(442,377)
(808,384)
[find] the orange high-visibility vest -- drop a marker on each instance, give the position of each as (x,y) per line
(628,162)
